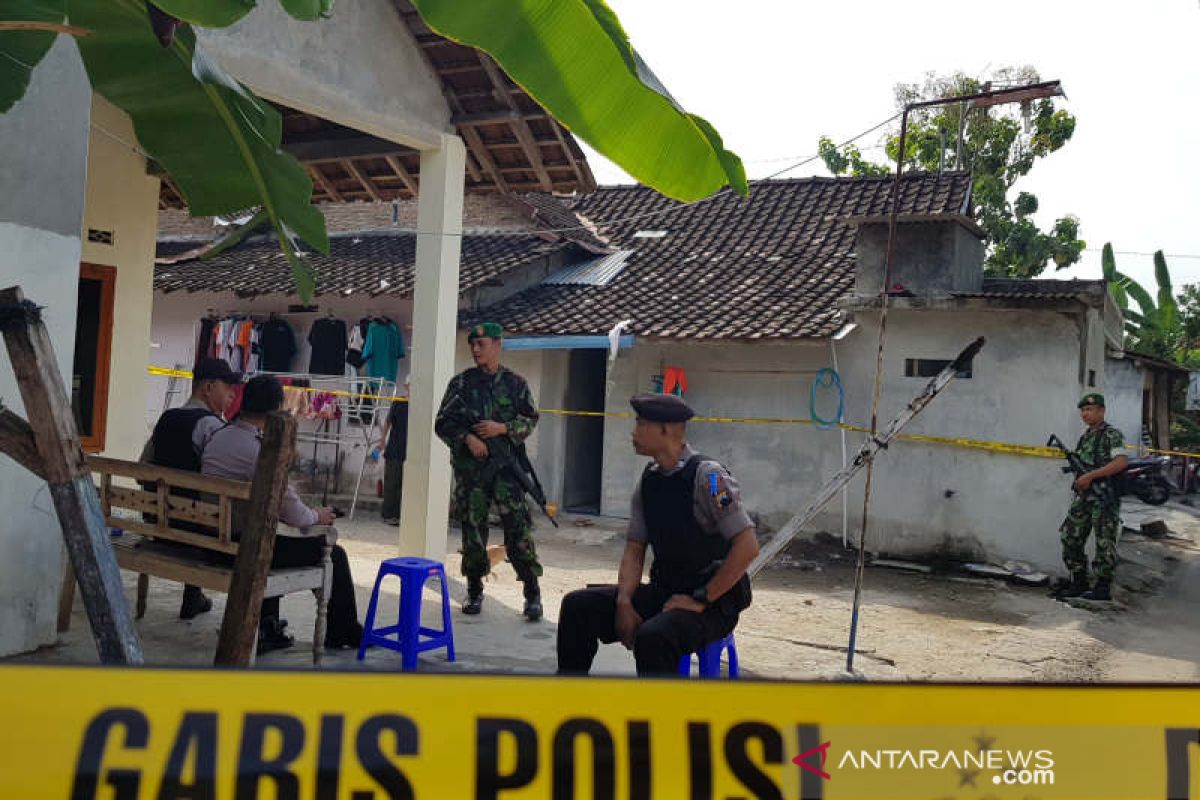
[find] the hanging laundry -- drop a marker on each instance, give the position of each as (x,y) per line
(277,344)
(204,340)
(674,381)
(354,347)
(383,348)
(325,406)
(328,340)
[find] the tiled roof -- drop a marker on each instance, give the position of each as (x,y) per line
(1049,289)
(373,263)
(768,267)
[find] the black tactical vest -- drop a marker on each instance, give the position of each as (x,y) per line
(684,555)
(173,438)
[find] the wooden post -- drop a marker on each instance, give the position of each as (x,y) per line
(239,627)
(74,495)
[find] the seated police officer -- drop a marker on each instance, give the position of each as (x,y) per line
(688,509)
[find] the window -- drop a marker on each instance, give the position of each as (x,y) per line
(1092,378)
(929,367)
(93,349)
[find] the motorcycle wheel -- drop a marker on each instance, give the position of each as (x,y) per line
(1154,494)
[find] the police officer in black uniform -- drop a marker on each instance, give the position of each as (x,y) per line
(688,509)
(179,438)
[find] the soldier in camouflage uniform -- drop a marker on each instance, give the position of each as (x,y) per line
(501,398)
(1098,449)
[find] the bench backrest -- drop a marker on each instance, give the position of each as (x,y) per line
(211,505)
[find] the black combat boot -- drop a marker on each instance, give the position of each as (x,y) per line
(272,636)
(474,602)
(1101,592)
(195,602)
(1077,587)
(533,600)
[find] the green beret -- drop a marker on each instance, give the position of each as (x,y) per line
(1092,399)
(489,329)
(661,408)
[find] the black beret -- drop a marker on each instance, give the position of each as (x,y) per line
(661,408)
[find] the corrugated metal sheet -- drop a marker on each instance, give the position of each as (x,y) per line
(594,272)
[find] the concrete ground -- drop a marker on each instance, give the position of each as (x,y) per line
(936,627)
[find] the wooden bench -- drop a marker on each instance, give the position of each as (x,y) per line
(202,552)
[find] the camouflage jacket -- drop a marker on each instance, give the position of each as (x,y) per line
(1098,447)
(503,397)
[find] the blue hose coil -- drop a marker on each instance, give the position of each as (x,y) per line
(826,378)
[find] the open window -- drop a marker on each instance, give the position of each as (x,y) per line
(93,350)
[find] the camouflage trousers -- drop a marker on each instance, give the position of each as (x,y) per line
(472,501)
(1088,514)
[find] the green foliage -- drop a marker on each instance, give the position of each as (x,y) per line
(998,145)
(20,51)
(1160,327)
(575,59)
(221,143)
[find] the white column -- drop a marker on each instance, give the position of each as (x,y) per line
(426,497)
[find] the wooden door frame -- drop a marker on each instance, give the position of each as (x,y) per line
(108,284)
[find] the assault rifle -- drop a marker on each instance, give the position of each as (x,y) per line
(1101,488)
(503,456)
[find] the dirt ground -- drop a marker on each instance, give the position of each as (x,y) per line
(924,627)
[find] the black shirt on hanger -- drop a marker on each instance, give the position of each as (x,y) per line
(328,340)
(277,345)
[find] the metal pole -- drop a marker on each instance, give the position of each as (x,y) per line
(860,566)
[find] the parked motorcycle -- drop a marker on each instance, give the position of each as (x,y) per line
(1145,478)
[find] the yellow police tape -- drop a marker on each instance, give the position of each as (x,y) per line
(1009,448)
(135,734)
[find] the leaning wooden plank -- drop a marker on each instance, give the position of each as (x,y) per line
(864,456)
(17,442)
(239,627)
(71,488)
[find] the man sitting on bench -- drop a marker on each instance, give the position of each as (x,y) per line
(180,436)
(232,452)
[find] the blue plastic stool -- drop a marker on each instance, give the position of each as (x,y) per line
(407,637)
(710,659)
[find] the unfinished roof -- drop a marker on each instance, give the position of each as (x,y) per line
(512,144)
(768,267)
(365,263)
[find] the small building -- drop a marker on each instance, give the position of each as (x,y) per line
(746,300)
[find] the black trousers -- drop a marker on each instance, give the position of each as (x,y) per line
(343,608)
(588,617)
(393,486)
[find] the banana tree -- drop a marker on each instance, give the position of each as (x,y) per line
(1154,328)
(221,144)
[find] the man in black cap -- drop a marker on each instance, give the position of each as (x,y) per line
(180,436)
(688,509)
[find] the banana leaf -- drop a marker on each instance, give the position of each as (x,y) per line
(574,58)
(219,142)
(223,13)
(20,51)
(1167,309)
(1109,266)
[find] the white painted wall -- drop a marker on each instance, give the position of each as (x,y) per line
(1124,381)
(361,68)
(999,507)
(43,168)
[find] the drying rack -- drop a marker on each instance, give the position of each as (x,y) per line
(364,404)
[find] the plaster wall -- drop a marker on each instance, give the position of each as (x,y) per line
(360,68)
(928,500)
(123,200)
(43,170)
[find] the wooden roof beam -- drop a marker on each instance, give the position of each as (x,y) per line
(398,167)
(520,126)
(325,184)
(359,176)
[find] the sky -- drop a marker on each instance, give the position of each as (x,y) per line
(774,75)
